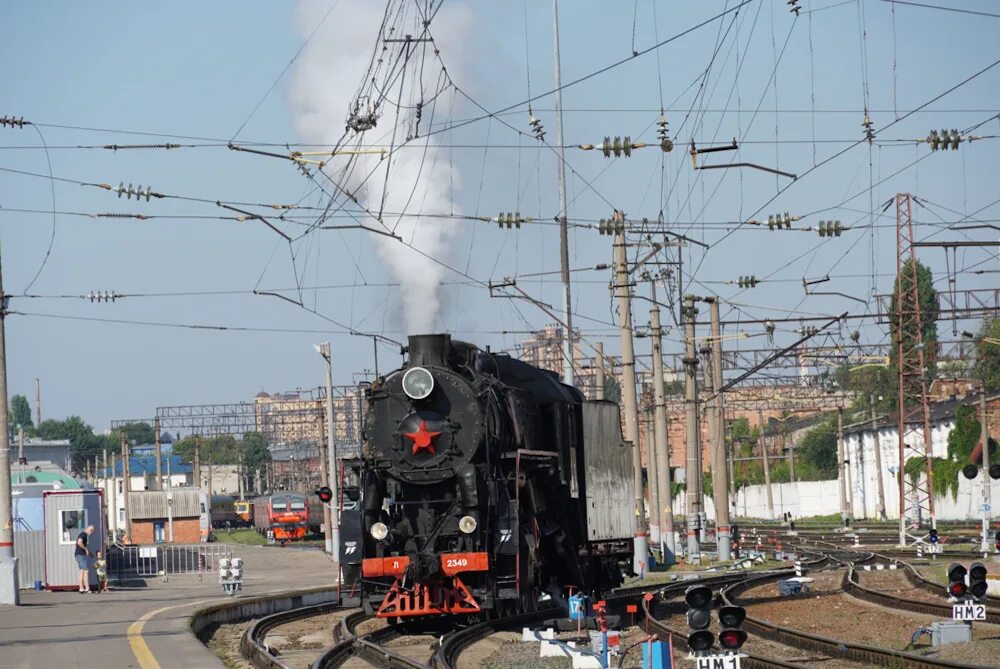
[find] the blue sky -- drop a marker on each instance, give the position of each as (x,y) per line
(197,70)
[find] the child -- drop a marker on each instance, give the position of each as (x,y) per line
(101,566)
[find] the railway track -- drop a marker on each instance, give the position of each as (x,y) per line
(371,646)
(836,648)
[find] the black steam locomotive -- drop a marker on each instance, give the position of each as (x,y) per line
(485,483)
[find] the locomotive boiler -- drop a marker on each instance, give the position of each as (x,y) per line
(485,483)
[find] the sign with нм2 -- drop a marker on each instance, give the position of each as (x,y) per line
(968,612)
(718,662)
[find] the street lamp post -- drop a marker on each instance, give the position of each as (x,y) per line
(333,528)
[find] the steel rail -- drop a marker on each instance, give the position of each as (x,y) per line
(852,586)
(831,647)
(253,646)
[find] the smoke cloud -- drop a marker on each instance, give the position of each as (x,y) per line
(421,178)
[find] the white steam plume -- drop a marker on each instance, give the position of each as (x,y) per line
(421,178)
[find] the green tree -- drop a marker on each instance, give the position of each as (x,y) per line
(818,451)
(84,445)
(20,413)
(868,381)
(138,433)
(929,310)
(987,365)
(255,453)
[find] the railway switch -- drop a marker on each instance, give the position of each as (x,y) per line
(699,617)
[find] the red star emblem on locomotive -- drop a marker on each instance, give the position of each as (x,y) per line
(422,439)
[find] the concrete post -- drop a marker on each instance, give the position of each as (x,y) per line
(880,486)
(767,465)
(692,425)
(334,526)
(8,563)
(660,437)
(720,461)
(628,397)
(126,484)
(651,477)
(599,371)
(842,466)
(159,454)
(984,435)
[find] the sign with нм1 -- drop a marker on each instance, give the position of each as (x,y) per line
(968,612)
(718,662)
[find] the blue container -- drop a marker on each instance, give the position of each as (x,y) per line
(578,607)
(656,655)
(38,585)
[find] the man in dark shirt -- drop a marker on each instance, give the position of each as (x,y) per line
(82,553)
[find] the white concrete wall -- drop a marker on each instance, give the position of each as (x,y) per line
(820,498)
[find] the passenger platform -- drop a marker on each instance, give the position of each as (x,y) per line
(145,627)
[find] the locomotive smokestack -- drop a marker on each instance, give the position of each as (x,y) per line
(429,350)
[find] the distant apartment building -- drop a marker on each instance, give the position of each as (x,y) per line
(300,416)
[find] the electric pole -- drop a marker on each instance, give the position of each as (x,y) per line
(767,464)
(984,436)
(652,473)
(197,462)
(9,593)
(660,437)
(842,467)
(708,411)
(692,424)
(159,453)
(126,483)
(880,487)
(628,396)
(324,476)
(333,528)
(720,469)
(599,371)
(563,232)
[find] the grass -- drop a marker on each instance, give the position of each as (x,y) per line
(241,537)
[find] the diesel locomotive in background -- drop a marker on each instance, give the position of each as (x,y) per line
(485,482)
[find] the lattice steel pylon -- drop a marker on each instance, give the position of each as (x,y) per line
(915,497)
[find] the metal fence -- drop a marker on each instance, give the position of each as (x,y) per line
(166,560)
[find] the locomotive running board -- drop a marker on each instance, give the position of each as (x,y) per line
(433,598)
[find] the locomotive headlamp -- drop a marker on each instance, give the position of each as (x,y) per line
(467,524)
(379,531)
(417,383)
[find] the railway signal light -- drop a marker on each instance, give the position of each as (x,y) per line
(956,580)
(699,617)
(933,538)
(747,282)
(731,637)
(325,494)
(977,581)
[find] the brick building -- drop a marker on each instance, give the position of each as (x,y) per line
(152,523)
